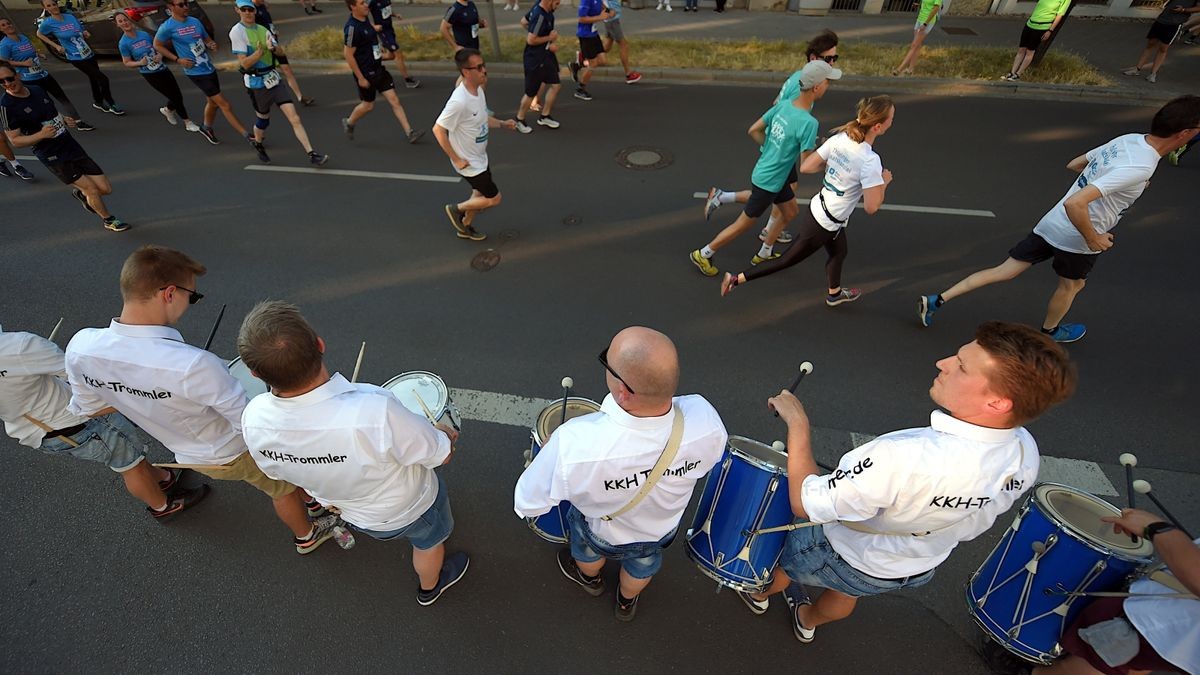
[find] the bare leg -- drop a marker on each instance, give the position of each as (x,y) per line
(831,606)
(94,188)
(631,587)
(731,232)
(289,111)
(477,203)
(428,565)
(1009,269)
(1018,60)
(1025,62)
(293,83)
(6,150)
(551,96)
(1060,302)
(590,569)
(398,110)
(523,109)
(360,110)
(210,113)
(142,482)
(1160,57)
(779,581)
(290,509)
(227,110)
(1147,54)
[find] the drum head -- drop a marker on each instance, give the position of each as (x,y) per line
(551,416)
(1080,513)
(241,372)
(430,387)
(758,454)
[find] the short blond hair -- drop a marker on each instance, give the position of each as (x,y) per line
(151,267)
(278,344)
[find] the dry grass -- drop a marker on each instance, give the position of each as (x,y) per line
(949,62)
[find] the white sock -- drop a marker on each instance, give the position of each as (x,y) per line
(771,222)
(13,163)
(707,252)
(765,251)
(724,197)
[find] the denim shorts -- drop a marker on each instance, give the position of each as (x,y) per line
(111,439)
(809,559)
(432,528)
(641,560)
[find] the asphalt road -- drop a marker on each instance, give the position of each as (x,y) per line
(589,247)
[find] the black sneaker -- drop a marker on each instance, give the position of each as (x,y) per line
(455,217)
(5,170)
(626,612)
(453,569)
(115,224)
(411,83)
(173,481)
(570,570)
(317,10)
(82,198)
(414,135)
(80,125)
(582,94)
(317,158)
(209,136)
(262,152)
(575,68)
(23,173)
(321,532)
(471,233)
(308,101)
(179,502)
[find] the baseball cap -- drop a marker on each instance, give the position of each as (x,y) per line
(812,73)
(244,3)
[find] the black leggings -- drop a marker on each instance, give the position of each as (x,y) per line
(55,89)
(101,94)
(164,83)
(811,236)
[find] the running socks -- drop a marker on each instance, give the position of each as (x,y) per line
(707,252)
(938,301)
(765,251)
(725,198)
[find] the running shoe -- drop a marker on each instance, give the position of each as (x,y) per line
(5,170)
(759,259)
(728,284)
(1132,71)
(317,159)
(548,121)
(1152,78)
(471,233)
(348,128)
(78,194)
(796,597)
(453,569)
(759,607)
(191,126)
(1015,78)
(1068,332)
(179,502)
(703,264)
(173,478)
(712,203)
(80,125)
(570,570)
(317,10)
(321,532)
(455,217)
(625,611)
(115,224)
(414,135)
(102,107)
(632,77)
(172,118)
(523,127)
(23,173)
(209,136)
(925,309)
(411,83)
(1174,155)
(843,296)
(784,237)
(308,101)
(262,152)
(582,94)
(576,66)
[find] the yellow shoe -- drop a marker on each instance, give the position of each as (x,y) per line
(759,259)
(703,264)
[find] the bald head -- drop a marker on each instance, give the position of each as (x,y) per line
(647,361)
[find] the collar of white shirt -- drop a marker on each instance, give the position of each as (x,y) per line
(618,415)
(138,331)
(946,424)
(334,386)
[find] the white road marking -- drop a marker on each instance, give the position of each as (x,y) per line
(522,411)
(354,174)
(977,213)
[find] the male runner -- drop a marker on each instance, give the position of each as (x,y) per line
(364,54)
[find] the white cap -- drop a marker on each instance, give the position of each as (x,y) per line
(814,72)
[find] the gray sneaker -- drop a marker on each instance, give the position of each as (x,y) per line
(321,532)
(414,135)
(523,127)
(348,128)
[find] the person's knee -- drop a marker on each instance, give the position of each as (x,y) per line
(1071,286)
(495,201)
(367,106)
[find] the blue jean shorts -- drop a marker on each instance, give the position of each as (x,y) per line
(809,559)
(641,560)
(431,529)
(111,439)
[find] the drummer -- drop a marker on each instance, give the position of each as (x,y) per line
(354,447)
(180,394)
(897,506)
(599,463)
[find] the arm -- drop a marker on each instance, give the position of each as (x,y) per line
(51,43)
(1078,164)
(800,462)
(412,440)
(239,44)
(443,138)
(1077,211)
(1179,553)
(873,196)
(20,140)
(494,123)
(169,54)
(539,488)
(444,29)
(758,131)
(208,383)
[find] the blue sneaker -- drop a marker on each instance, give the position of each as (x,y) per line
(925,309)
(1068,332)
(453,568)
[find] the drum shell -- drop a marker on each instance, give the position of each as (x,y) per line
(552,525)
(241,372)
(442,408)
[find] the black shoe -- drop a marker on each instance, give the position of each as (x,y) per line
(209,136)
(411,83)
(626,612)
(317,10)
(471,233)
(173,481)
(308,11)
(80,125)
(308,101)
(317,158)
(115,224)
(262,152)
(5,170)
(414,135)
(180,501)
(455,217)
(570,570)
(78,194)
(453,569)
(23,173)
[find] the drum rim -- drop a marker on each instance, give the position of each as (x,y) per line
(971,609)
(537,422)
(735,585)
(443,389)
(1083,537)
(754,461)
(237,360)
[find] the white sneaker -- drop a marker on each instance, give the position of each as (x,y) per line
(170,115)
(191,126)
(658,7)
(1132,71)
(1152,78)
(668,6)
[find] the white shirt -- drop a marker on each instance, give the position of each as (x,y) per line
(598,463)
(951,479)
(1170,625)
(353,446)
(29,385)
(182,395)
(850,168)
(466,118)
(1120,170)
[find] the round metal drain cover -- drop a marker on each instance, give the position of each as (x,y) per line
(508,235)
(572,220)
(644,158)
(485,260)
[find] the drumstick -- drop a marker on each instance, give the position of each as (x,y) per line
(1129,460)
(54,333)
(358,363)
(428,415)
(805,368)
(567,383)
(213,333)
(206,467)
(1143,487)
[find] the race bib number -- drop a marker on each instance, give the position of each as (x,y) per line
(377,52)
(386,12)
(474,30)
(36,68)
(271,79)
(81,46)
(198,50)
(59,124)
(154,61)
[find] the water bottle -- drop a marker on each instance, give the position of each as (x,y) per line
(343,537)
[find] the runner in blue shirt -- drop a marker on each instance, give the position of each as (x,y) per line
(381,19)
(30,120)
(461,25)
(541,63)
(365,56)
(613,32)
(262,16)
(65,35)
(182,39)
(591,49)
(20,52)
(137,51)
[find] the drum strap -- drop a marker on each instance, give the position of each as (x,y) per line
(660,467)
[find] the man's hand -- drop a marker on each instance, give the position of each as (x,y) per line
(483,23)
(553,35)
(461,163)
(1100,242)
(49,131)
(211,44)
(1132,521)
(1046,35)
(509,124)
(362,82)
(378,28)
(887,177)
(790,409)
(186,63)
(449,431)
(553,48)
(60,49)
(88,35)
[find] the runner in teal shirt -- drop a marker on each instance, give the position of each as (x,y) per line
(790,130)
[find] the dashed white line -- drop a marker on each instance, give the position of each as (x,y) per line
(940,210)
(354,174)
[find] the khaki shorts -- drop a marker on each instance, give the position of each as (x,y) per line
(244,469)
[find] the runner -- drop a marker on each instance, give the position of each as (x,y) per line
(182,39)
(9,166)
(381,19)
(70,40)
(541,64)
(614,33)
(20,52)
(1165,30)
(31,121)
(262,16)
(364,54)
(460,26)
(591,48)
(253,45)
(137,51)
(310,7)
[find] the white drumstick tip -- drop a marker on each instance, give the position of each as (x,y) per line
(1128,459)
(806,367)
(778,446)
(567,383)
(1141,487)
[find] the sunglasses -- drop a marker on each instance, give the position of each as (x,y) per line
(830,59)
(604,361)
(245,9)
(193,298)
(8,80)
(480,67)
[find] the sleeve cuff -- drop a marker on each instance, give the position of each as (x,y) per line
(817,501)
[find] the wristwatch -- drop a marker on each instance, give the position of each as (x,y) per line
(1155,529)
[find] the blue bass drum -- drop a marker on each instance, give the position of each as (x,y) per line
(552,526)
(747,492)
(1024,594)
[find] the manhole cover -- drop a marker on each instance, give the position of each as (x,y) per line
(572,220)
(644,158)
(958,30)
(508,235)
(485,260)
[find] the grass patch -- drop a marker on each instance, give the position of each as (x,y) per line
(878,59)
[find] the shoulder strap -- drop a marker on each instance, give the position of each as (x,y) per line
(660,467)
(46,428)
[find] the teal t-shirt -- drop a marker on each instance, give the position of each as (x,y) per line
(790,131)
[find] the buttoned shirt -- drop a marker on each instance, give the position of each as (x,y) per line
(182,395)
(30,366)
(598,462)
(353,446)
(927,489)
(1170,625)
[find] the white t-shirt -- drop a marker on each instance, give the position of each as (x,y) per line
(1170,625)
(850,168)
(598,463)
(29,385)
(951,480)
(182,395)
(353,446)
(1120,170)
(466,118)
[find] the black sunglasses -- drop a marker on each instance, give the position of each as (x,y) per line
(193,296)
(245,9)
(830,59)
(604,361)
(7,80)
(482,66)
